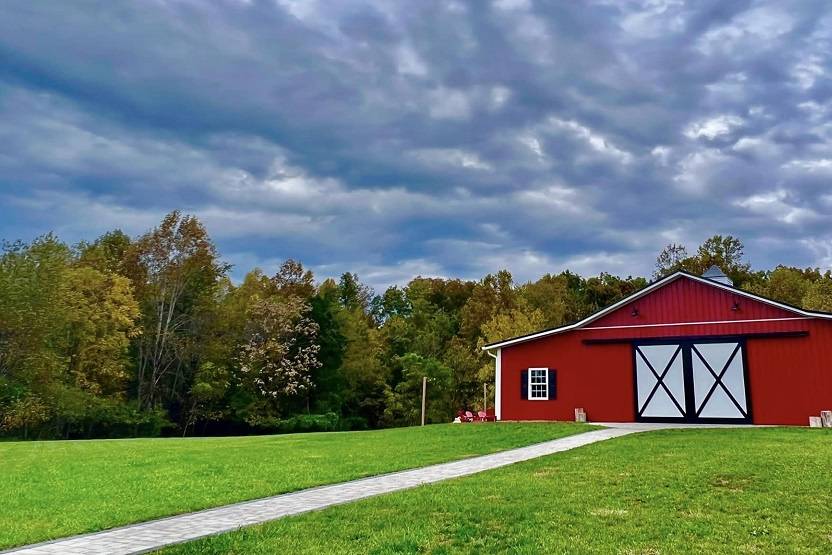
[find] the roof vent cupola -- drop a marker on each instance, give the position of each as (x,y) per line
(714,273)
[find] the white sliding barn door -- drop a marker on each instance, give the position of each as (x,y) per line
(719,380)
(660,381)
(691,381)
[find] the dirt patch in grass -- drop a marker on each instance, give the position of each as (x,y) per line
(644,551)
(732,483)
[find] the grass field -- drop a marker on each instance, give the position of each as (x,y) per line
(57,488)
(763,490)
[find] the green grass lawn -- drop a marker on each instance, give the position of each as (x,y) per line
(57,488)
(764,490)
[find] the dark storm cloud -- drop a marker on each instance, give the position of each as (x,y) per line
(448,138)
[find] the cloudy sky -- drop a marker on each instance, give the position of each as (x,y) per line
(444,138)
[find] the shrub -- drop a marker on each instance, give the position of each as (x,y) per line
(301,423)
(353,423)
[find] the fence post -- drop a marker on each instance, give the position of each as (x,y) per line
(485,396)
(424,392)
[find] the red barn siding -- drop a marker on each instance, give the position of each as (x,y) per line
(685,300)
(789,378)
(599,379)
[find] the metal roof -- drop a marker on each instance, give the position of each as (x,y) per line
(646,290)
(715,273)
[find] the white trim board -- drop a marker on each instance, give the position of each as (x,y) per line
(649,289)
(498,383)
(710,323)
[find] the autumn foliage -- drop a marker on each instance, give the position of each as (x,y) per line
(149,335)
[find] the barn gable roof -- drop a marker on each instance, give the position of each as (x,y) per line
(646,291)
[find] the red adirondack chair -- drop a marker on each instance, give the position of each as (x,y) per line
(464,416)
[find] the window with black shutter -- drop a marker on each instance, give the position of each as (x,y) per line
(538,384)
(553,384)
(524,384)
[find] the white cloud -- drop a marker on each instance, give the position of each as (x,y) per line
(380,276)
(563,200)
(757,146)
(775,204)
(817,112)
(713,127)
(732,88)
(821,247)
(654,18)
(815,165)
(83,216)
(451,157)
(694,171)
(499,96)
(512,4)
(808,70)
(662,154)
(611,262)
(755,28)
(598,142)
(409,62)
(533,143)
(445,103)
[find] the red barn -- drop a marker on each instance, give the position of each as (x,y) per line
(683,349)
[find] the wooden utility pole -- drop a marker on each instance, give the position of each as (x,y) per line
(424,392)
(485,397)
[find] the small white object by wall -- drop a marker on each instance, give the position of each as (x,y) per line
(826,418)
(815,422)
(580,415)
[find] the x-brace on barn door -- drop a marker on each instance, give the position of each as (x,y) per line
(691,381)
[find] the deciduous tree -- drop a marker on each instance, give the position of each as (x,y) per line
(172,268)
(280,349)
(102,317)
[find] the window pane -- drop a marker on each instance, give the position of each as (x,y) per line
(538,383)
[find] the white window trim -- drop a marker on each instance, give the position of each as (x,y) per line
(546,376)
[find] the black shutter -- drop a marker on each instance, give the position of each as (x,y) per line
(553,384)
(524,384)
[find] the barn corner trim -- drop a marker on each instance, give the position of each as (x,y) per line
(645,291)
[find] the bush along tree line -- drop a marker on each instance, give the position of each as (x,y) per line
(149,336)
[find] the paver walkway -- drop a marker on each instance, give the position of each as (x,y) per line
(154,534)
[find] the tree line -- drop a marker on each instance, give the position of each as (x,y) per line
(149,335)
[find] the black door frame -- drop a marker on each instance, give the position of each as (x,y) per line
(686,344)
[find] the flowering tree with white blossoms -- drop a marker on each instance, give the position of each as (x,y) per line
(280,350)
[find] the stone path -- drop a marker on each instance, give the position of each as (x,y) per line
(154,534)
